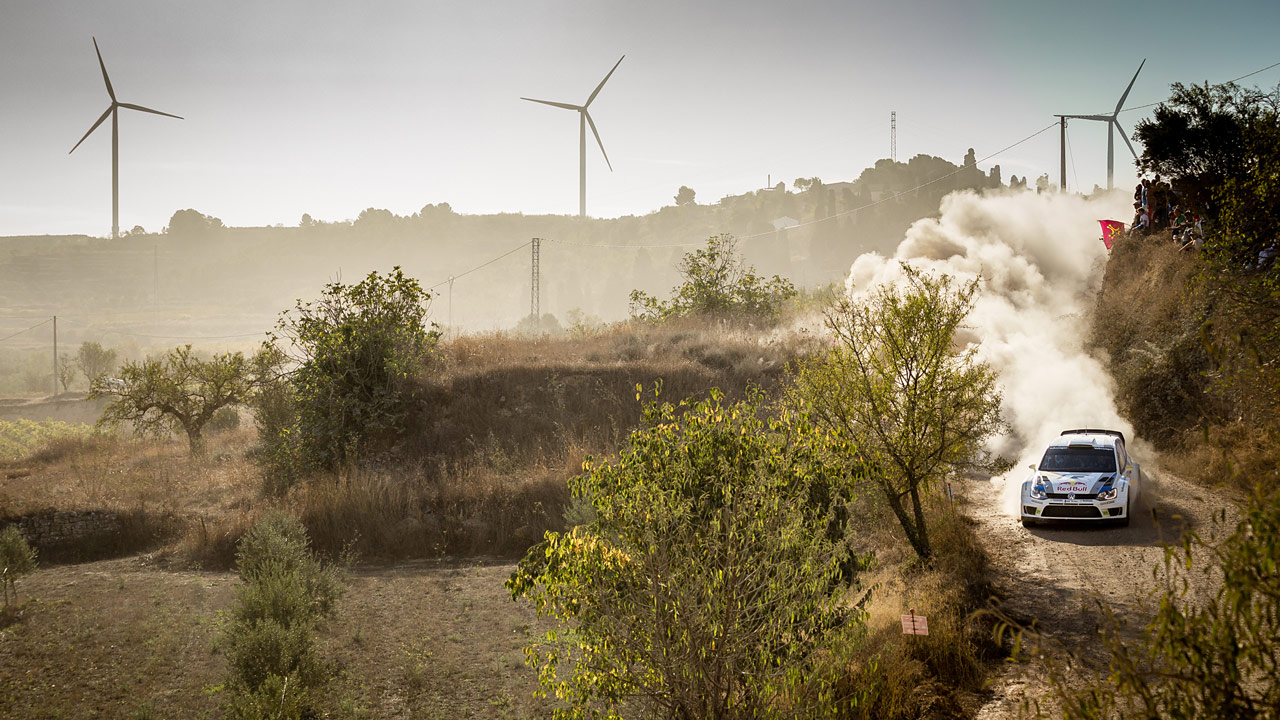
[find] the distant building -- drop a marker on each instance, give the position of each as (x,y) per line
(783,223)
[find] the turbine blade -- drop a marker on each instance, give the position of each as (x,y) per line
(596,92)
(145,109)
(95,127)
(110,90)
(1126,90)
(595,132)
(1125,135)
(566,106)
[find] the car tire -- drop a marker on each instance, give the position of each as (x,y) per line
(1029,522)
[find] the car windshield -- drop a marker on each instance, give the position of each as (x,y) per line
(1070,459)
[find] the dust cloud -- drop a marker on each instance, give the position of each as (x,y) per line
(1041,260)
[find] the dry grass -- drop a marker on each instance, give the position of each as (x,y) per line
(913,676)
(1183,377)
(121,639)
(157,491)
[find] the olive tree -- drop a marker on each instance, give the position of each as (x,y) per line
(95,360)
(178,390)
(707,585)
(896,386)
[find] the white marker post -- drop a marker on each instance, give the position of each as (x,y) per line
(914,624)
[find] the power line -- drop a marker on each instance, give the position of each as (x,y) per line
(829,217)
(1074,174)
(185,337)
(165,337)
(33,327)
(451,278)
(918,187)
(1228,82)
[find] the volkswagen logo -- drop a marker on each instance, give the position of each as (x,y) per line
(1071,496)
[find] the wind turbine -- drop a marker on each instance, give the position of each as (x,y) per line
(1113,124)
(584,119)
(114,111)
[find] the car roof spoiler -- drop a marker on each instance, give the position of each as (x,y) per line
(1094,431)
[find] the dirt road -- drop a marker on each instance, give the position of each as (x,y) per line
(1052,574)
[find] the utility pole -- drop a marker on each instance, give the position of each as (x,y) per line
(1062,161)
(55,356)
(535,294)
(893,135)
(451,305)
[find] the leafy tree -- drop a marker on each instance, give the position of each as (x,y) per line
(684,196)
(94,360)
(1214,657)
(67,371)
(716,282)
(192,224)
(706,585)
(17,559)
(354,351)
(1220,147)
(1200,137)
(896,387)
(178,390)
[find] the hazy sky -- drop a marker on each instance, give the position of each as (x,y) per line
(328,108)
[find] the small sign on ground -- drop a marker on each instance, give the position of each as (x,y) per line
(914,624)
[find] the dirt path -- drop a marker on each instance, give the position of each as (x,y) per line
(1052,574)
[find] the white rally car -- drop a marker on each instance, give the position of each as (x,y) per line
(1084,474)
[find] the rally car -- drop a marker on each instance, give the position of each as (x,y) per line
(1085,474)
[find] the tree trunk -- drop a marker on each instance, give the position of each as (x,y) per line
(914,529)
(194,441)
(924,549)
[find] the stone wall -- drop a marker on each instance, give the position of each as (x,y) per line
(57,529)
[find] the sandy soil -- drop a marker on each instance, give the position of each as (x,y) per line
(1054,575)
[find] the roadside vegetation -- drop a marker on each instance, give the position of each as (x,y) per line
(779,577)
(1191,338)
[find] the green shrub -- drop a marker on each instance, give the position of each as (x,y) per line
(17,559)
(355,350)
(224,420)
(270,640)
(708,583)
(19,438)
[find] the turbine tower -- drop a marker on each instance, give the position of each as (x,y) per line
(584,119)
(114,111)
(1113,124)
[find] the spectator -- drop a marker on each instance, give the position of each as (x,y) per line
(1180,225)
(1267,256)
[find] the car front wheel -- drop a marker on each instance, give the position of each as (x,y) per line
(1029,521)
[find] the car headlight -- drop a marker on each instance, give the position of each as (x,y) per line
(1108,493)
(1038,491)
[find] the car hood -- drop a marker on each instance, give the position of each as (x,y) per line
(1078,483)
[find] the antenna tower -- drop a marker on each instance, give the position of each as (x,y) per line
(535,295)
(893,135)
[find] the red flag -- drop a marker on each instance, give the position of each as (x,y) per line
(1111,229)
